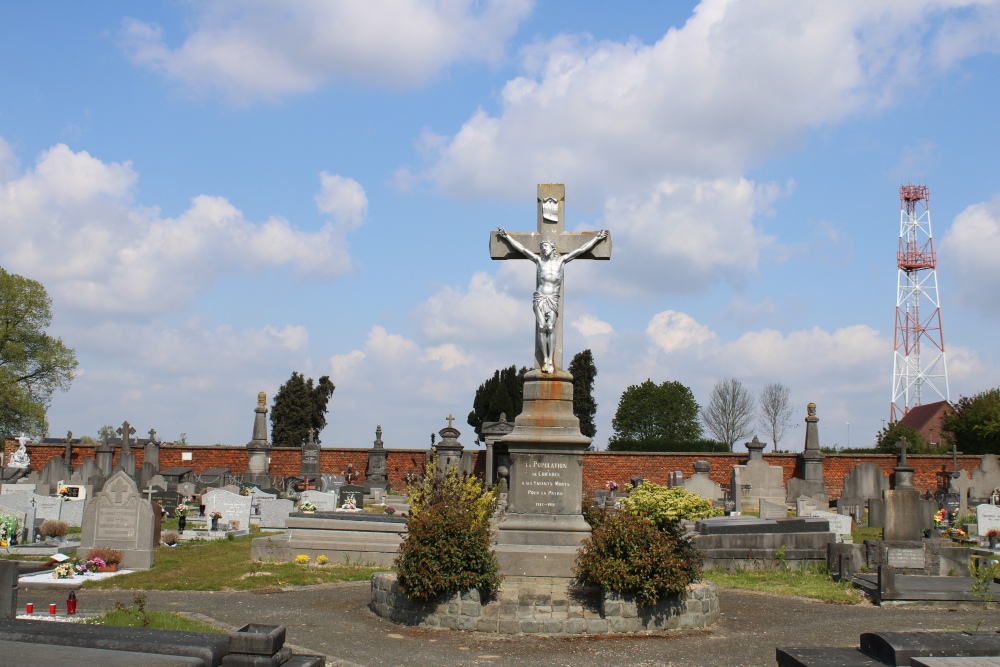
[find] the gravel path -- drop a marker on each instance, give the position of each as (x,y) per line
(334,619)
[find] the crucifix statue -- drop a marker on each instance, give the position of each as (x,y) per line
(125,431)
(550,248)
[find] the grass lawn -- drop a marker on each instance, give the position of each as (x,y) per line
(861,533)
(812,583)
(202,565)
(138,617)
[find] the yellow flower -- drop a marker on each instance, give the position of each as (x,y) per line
(302,558)
(322,559)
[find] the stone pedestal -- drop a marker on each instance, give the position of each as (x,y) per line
(309,467)
(376,477)
(757,480)
(258,468)
(449,449)
(543,527)
(812,483)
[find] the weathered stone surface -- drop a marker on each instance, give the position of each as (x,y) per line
(119,518)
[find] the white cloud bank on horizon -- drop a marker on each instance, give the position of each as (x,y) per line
(267,49)
(972,246)
(72,223)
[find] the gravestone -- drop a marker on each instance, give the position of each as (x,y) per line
(772,510)
(87,469)
(449,449)
(985,478)
(903,558)
(309,467)
(324,502)
(676,478)
(72,512)
(377,475)
(167,500)
(757,480)
(960,484)
(126,459)
(185,489)
(274,511)
(120,518)
(234,507)
(213,478)
(352,493)
(952,504)
(702,484)
(812,483)
(988,518)
(805,506)
(178,475)
(151,450)
(492,433)
(55,471)
(104,455)
(146,473)
(546,446)
(839,524)
(904,512)
(17,488)
(866,481)
(258,468)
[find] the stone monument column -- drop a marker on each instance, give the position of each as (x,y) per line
(377,477)
(309,468)
(812,485)
(258,469)
(449,450)
(543,527)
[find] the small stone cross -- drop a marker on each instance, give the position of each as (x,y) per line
(149,492)
(312,435)
(69,447)
(902,445)
(125,431)
(450,419)
(116,491)
(954,459)
(152,435)
(551,227)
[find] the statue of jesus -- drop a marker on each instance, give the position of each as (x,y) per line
(548,285)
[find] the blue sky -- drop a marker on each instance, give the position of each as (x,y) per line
(216,195)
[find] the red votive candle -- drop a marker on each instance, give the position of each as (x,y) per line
(29,608)
(52,608)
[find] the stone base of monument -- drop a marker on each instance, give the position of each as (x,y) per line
(547,605)
(340,536)
(543,527)
(729,542)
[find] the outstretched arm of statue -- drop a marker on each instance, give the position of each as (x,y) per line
(586,247)
(516,245)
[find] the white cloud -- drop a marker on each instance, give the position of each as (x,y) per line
(270,48)
(480,312)
(672,331)
(589,326)
(72,223)
(971,247)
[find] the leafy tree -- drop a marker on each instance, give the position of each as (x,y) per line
(32,363)
(650,411)
(107,432)
(502,393)
(584,406)
(889,436)
(299,406)
(975,425)
(730,412)
(774,411)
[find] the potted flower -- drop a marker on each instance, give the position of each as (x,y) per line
(992,535)
(307,507)
(348,506)
(215,515)
(612,486)
(95,564)
(64,571)
(390,510)
(181,512)
(110,557)
(64,493)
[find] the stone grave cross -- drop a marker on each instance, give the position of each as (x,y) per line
(570,245)
(450,420)
(954,459)
(902,445)
(125,431)
(69,449)
(118,489)
(152,435)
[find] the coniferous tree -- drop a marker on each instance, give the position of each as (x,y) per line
(299,406)
(502,393)
(584,406)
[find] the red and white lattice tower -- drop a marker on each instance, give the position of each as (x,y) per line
(918,359)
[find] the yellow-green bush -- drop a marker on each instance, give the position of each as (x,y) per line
(663,505)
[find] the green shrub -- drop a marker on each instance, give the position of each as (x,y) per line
(628,554)
(666,445)
(447,545)
(664,505)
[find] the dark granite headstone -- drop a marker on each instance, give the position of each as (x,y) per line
(309,468)
(352,493)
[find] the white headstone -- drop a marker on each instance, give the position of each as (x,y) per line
(324,502)
(772,510)
(274,511)
(234,507)
(988,518)
(17,488)
(839,524)
(805,506)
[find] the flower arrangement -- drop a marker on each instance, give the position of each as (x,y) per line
(322,559)
(95,564)
(348,506)
(64,571)
(940,517)
(993,532)
(64,493)
(215,514)
(307,507)
(612,485)
(181,510)
(302,559)
(390,510)
(109,556)
(81,568)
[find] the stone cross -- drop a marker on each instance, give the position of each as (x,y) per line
(152,435)
(69,448)
(954,459)
(902,444)
(551,227)
(125,431)
(450,419)
(312,435)
(117,490)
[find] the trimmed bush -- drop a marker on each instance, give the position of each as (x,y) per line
(170,537)
(630,555)
(109,556)
(663,505)
(447,545)
(53,528)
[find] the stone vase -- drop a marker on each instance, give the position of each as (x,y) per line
(215,523)
(181,523)
(993,541)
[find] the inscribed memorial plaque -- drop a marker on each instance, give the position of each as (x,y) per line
(911,559)
(988,518)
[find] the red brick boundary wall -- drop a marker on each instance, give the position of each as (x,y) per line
(598,467)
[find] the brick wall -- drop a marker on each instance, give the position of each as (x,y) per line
(598,467)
